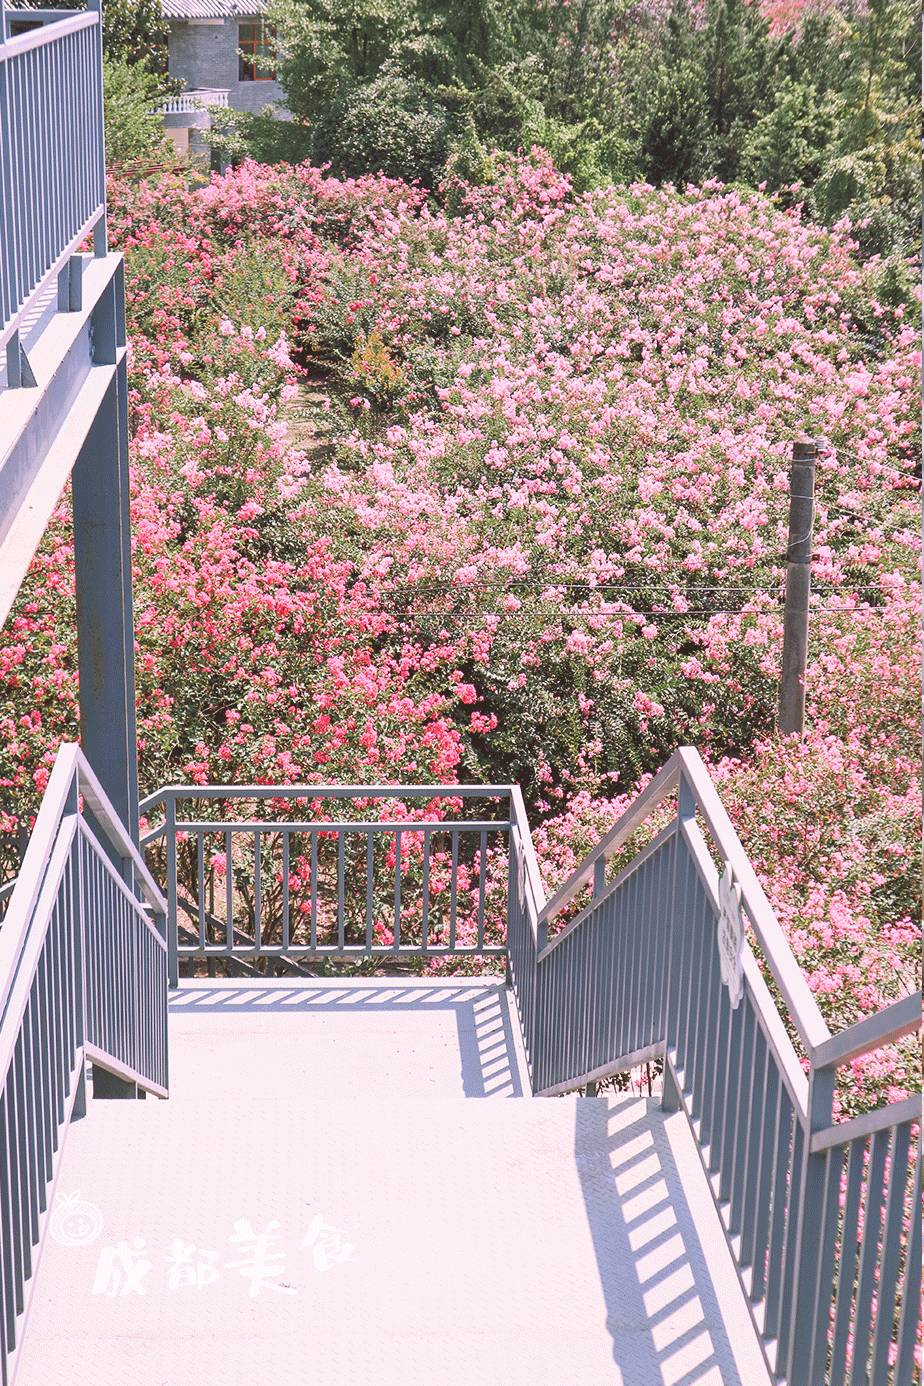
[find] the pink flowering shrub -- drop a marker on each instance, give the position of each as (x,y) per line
(542,538)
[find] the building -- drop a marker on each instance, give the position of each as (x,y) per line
(223,52)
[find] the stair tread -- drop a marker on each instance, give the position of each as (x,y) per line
(542,1241)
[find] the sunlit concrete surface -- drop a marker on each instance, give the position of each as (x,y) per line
(324,1199)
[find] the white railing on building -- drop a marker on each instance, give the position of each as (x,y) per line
(199,99)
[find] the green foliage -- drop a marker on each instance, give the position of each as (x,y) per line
(237,135)
(786,145)
(130,96)
(437,90)
(135,31)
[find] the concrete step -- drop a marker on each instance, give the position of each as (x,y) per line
(283,1231)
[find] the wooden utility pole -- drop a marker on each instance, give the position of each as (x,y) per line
(798,585)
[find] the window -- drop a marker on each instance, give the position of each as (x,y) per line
(257,59)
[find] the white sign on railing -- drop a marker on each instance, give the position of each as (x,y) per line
(730,936)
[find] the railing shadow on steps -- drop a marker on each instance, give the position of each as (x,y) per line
(82,977)
(822,1219)
(489,1063)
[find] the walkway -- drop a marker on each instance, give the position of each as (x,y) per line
(320,1202)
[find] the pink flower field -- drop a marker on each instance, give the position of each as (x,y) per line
(497,489)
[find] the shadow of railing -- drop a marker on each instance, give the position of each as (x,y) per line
(488,1056)
(663,1313)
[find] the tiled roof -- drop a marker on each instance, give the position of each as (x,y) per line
(178,9)
(211,9)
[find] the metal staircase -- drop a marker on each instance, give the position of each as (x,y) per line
(662,948)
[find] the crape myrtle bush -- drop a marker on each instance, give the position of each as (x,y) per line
(545,540)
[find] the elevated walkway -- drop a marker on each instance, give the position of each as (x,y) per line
(516,1242)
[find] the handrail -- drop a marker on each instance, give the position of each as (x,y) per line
(109,820)
(83,977)
(533,873)
(70,765)
(70,23)
(636,975)
(902,1018)
(789,977)
(659,788)
(323,791)
(687,765)
(610,889)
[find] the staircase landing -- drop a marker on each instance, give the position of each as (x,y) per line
(320,1201)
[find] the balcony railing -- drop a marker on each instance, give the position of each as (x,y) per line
(373,880)
(195,100)
(51,155)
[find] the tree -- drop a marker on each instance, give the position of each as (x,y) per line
(135,31)
(133,128)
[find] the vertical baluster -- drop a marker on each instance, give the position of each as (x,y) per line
(891,1248)
(701,938)
(257,891)
(453,886)
(396,944)
(7,1311)
(738,1150)
(24,1232)
(869,1258)
(425,926)
(200,886)
(648,892)
(341,889)
(719,1065)
(753,1138)
(732,1088)
(789,1308)
(817,1301)
(686,900)
(370,867)
(172,923)
(313,924)
(286,939)
(59,1037)
(781,1167)
(763,1193)
(911,1285)
(33,1119)
(482,869)
(229,894)
(621,965)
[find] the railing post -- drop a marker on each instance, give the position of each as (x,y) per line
(103,582)
(100,235)
(590,1089)
(7,306)
(173,978)
(791,715)
(686,812)
(79,1105)
(810,1304)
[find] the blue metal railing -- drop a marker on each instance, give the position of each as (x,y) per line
(82,976)
(295,888)
(822,1219)
(52,162)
